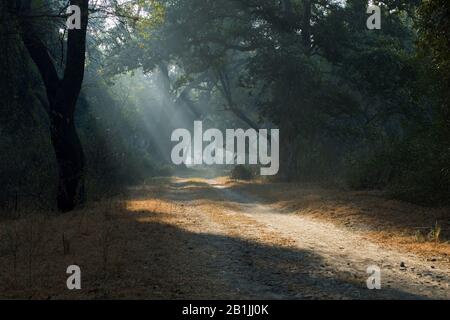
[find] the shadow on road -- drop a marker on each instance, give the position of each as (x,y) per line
(182,264)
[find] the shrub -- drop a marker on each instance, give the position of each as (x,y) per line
(241,172)
(414,169)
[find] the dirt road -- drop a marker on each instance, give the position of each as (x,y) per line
(206,239)
(241,248)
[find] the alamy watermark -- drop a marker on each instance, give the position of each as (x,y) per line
(74,280)
(74,19)
(374,280)
(374,20)
(229,150)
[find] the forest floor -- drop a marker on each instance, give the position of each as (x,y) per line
(192,238)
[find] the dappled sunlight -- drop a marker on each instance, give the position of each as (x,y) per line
(190,246)
(221,237)
(388,221)
(153,205)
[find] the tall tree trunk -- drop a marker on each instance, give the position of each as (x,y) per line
(62,95)
(70,158)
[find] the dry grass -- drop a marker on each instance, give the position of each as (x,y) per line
(151,243)
(137,247)
(394,223)
(36,249)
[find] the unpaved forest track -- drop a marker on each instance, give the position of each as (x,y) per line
(209,239)
(251,250)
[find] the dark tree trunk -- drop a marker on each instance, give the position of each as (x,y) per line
(288,155)
(70,160)
(62,96)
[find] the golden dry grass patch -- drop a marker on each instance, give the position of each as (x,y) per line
(389,222)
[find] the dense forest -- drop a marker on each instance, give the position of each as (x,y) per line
(94,108)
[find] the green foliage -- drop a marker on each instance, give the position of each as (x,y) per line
(415,169)
(434,42)
(434,31)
